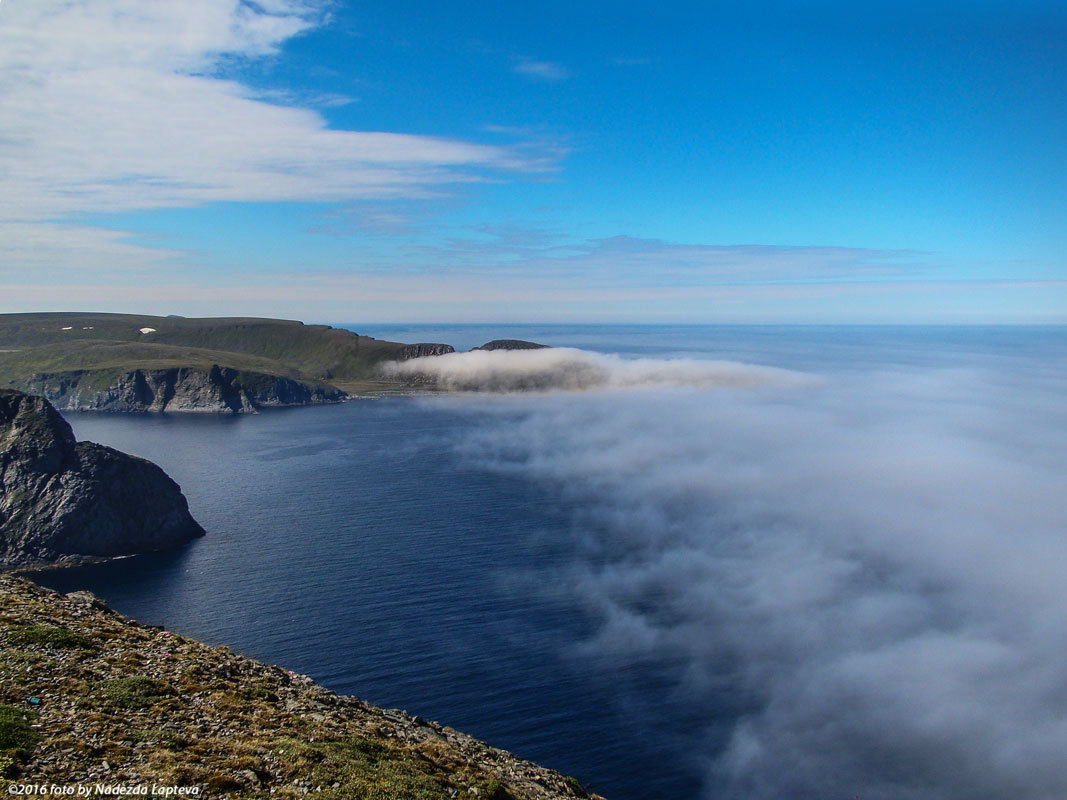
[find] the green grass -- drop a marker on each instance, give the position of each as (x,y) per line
(576,785)
(160,737)
(48,636)
(17,738)
(114,341)
(365,769)
(493,790)
(116,358)
(133,692)
(15,731)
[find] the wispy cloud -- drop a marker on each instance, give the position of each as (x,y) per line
(309,99)
(118,105)
(541,70)
(629,258)
(68,252)
(638,261)
(428,295)
(407,267)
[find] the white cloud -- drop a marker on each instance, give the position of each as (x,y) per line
(116,105)
(568,369)
(386,296)
(621,259)
(541,70)
(67,251)
(625,261)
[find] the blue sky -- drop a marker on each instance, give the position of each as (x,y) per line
(476,161)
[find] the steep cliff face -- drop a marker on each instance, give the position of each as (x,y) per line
(423,349)
(67,501)
(217,390)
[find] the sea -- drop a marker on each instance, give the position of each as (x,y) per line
(721,562)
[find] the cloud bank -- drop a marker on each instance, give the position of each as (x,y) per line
(852,589)
(121,105)
(569,369)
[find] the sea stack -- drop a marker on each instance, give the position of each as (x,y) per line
(64,501)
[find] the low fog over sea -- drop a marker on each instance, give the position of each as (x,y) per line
(684,562)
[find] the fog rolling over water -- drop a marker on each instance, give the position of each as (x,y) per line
(571,369)
(851,584)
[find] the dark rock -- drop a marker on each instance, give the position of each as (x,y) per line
(423,349)
(217,390)
(68,501)
(510,344)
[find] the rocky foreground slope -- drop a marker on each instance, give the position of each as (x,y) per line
(88,697)
(64,501)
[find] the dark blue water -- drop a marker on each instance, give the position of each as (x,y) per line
(353,544)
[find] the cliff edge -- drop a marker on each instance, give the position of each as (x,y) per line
(64,501)
(216,389)
(91,698)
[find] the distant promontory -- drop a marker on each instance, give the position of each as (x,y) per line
(133,363)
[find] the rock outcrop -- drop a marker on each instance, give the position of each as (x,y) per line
(423,349)
(510,344)
(90,697)
(216,390)
(63,501)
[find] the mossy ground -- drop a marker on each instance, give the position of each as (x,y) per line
(17,738)
(142,705)
(49,636)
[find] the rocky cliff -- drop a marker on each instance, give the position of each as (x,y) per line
(215,390)
(68,501)
(89,697)
(423,349)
